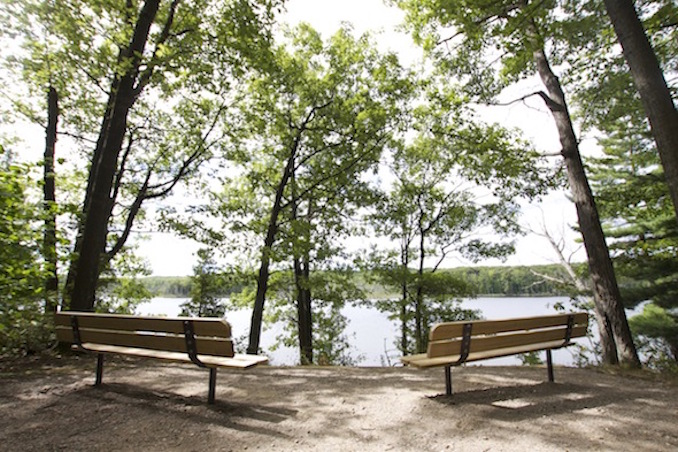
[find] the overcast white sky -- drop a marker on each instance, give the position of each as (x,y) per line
(172,256)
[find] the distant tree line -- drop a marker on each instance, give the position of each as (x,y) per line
(494,281)
(533,281)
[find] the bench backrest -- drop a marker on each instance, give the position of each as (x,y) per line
(212,336)
(448,338)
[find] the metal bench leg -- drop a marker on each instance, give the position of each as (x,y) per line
(213,383)
(448,380)
(549,364)
(100,369)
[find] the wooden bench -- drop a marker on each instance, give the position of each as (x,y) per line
(455,343)
(206,342)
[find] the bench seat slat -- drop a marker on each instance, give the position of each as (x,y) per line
(422,360)
(149,340)
(516,339)
(201,326)
(451,330)
(239,361)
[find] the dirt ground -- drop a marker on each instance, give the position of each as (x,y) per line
(51,404)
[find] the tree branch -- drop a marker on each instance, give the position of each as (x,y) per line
(145,76)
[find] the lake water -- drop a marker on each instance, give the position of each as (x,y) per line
(372,335)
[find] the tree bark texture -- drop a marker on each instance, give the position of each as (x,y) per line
(651,84)
(303,291)
(609,348)
(605,289)
(405,262)
(99,201)
(49,251)
(304,310)
(264,272)
(419,330)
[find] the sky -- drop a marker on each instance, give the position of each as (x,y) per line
(170,256)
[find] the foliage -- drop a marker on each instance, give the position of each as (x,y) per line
(516,280)
(456,181)
(633,197)
(24,327)
(121,287)
(205,287)
(530,359)
(168,286)
(310,129)
(658,331)
(142,99)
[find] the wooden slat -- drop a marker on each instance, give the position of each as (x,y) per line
(422,361)
(451,330)
(514,339)
(238,361)
(201,326)
(148,340)
(409,359)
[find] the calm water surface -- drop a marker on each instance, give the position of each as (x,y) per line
(372,335)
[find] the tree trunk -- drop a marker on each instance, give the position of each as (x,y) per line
(99,209)
(609,348)
(304,313)
(651,84)
(72,269)
(404,261)
(420,340)
(605,290)
(607,342)
(49,251)
(264,273)
(301,281)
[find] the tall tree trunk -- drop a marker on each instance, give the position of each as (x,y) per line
(605,290)
(72,269)
(49,251)
(651,84)
(304,312)
(301,281)
(264,272)
(404,262)
(419,332)
(609,348)
(99,201)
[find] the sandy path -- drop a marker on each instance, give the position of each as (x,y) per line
(147,405)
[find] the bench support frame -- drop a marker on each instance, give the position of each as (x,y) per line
(100,369)
(191,348)
(466,347)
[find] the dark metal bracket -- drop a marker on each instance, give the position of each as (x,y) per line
(77,341)
(568,331)
(191,346)
(463,355)
(192,350)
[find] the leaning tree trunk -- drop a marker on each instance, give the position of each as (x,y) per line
(103,169)
(651,84)
(49,252)
(264,271)
(605,289)
(609,348)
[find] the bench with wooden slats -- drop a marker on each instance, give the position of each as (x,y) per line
(205,342)
(454,343)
